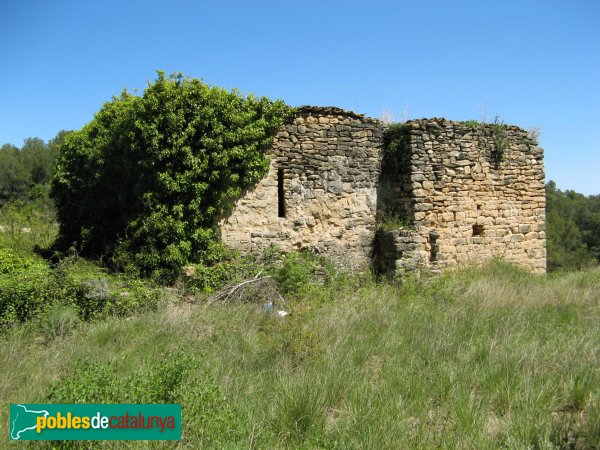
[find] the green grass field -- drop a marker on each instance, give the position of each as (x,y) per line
(482,358)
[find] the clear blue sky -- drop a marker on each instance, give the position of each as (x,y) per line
(534,63)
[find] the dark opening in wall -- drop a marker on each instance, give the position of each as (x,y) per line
(280,193)
(433,237)
(478,230)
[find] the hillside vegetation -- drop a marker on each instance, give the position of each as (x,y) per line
(480,358)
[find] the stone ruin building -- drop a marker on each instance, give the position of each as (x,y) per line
(448,194)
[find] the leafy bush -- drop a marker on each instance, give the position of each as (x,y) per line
(86,383)
(91,382)
(290,339)
(222,267)
(96,293)
(208,416)
(146,180)
(298,271)
(25,287)
(75,289)
(305,272)
(25,226)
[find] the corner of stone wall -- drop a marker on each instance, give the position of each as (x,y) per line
(464,200)
(398,252)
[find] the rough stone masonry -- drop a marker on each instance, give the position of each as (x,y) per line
(450,194)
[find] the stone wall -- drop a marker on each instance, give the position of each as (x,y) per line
(329,162)
(465,203)
(330,182)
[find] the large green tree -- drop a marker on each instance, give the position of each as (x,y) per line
(146,180)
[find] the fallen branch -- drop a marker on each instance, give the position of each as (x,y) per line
(236,289)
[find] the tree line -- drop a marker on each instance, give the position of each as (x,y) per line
(573,228)
(25,172)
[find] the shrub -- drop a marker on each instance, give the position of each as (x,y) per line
(500,138)
(298,271)
(290,339)
(25,226)
(25,287)
(146,180)
(393,138)
(131,295)
(90,382)
(473,124)
(96,293)
(222,267)
(392,222)
(86,383)
(208,416)
(59,320)
(75,289)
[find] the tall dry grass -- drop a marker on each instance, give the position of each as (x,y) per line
(481,358)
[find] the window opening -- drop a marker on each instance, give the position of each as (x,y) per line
(433,237)
(478,230)
(280,193)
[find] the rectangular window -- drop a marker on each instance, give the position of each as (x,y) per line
(280,193)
